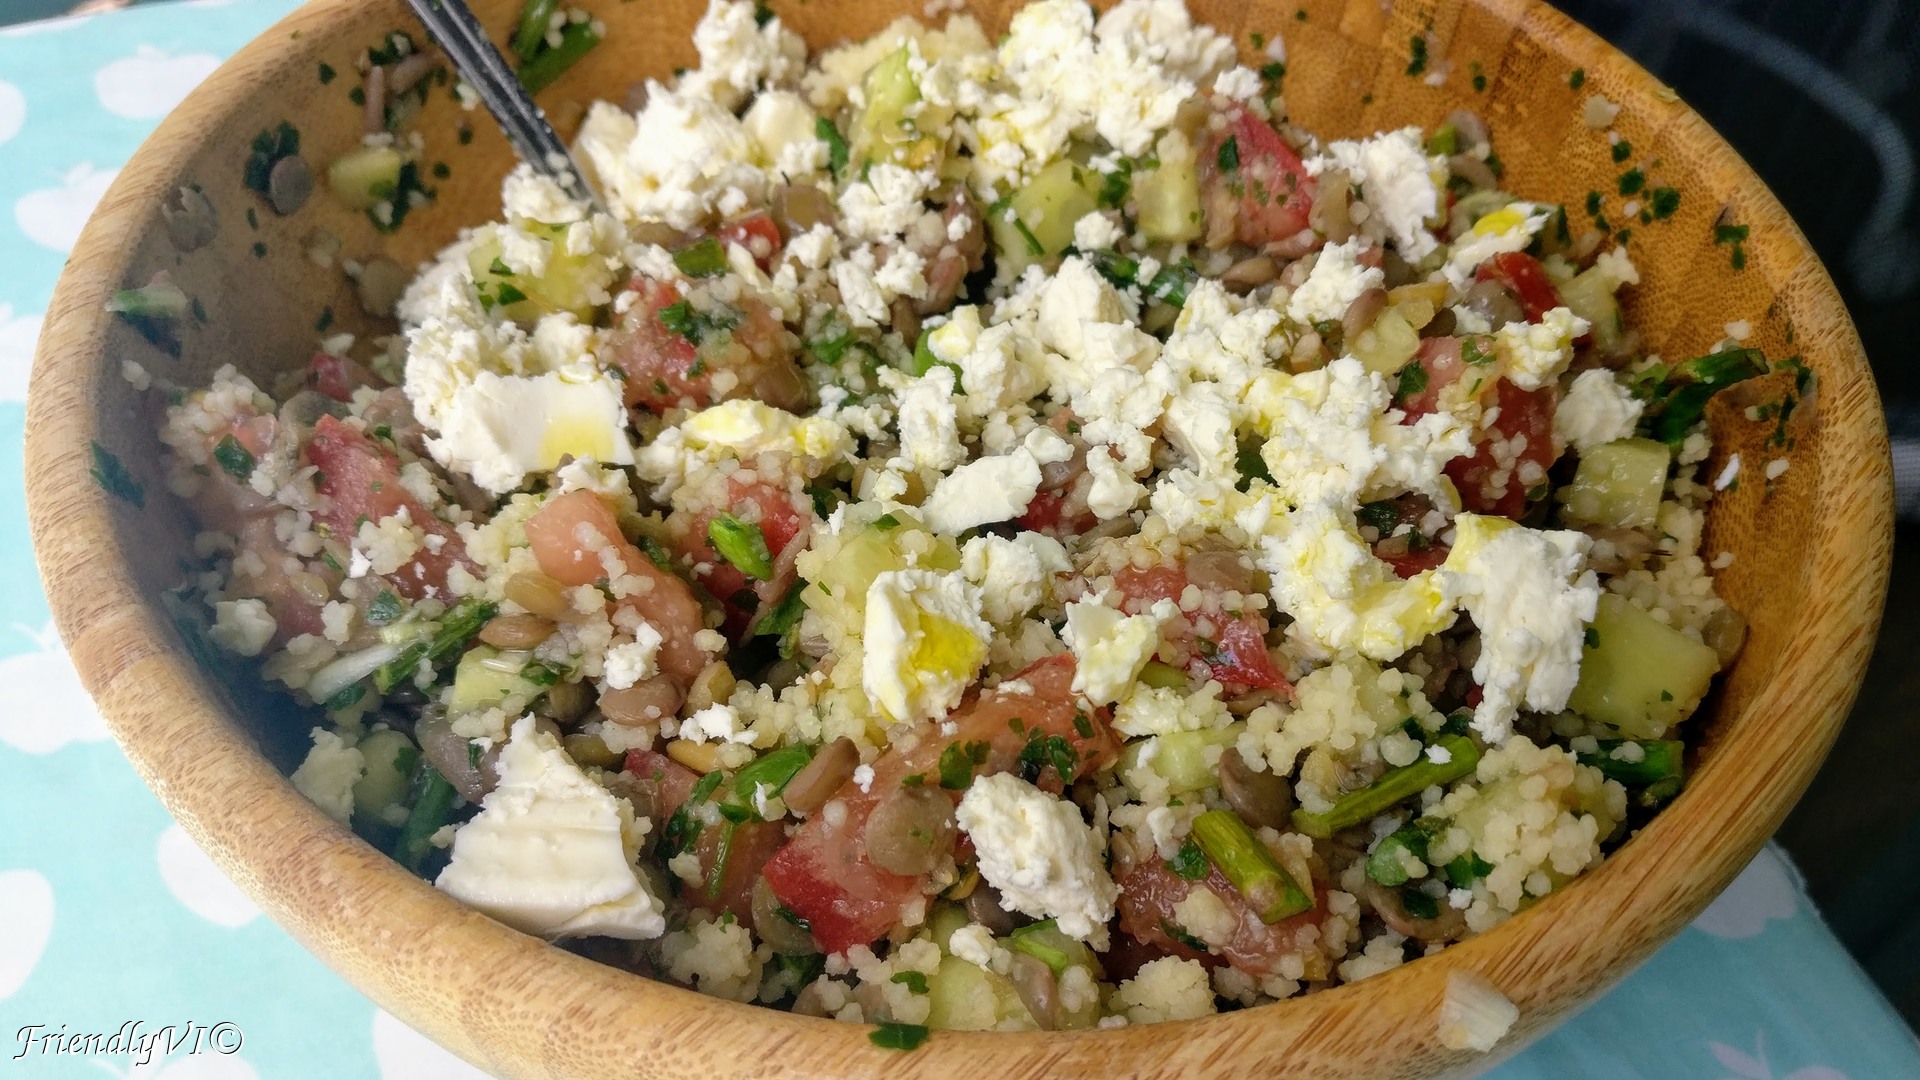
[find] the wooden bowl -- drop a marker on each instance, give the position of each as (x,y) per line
(1811,547)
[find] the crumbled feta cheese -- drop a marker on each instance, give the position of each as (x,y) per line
(1335,282)
(552,853)
(925,641)
(1114,491)
(1597,409)
(1530,595)
(631,661)
(1536,353)
(1015,575)
(1168,988)
(983,491)
(972,943)
(1474,1015)
(328,774)
(500,428)
(740,52)
(1510,228)
(1728,474)
(1038,852)
(1341,597)
(1397,183)
(1095,231)
(1110,647)
(1776,468)
(673,162)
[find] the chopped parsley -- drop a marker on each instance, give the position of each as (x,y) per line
(1417,54)
(386,607)
(1664,201)
(696,326)
(326,73)
(957,763)
(1736,237)
(1043,750)
(1229,156)
(234,459)
(1622,150)
(1632,181)
(1413,382)
(1578,79)
(111,474)
(1182,935)
(742,544)
(1190,862)
(702,258)
(837,151)
(914,981)
(268,148)
(1592,638)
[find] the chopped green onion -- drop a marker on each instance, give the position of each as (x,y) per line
(702,258)
(1041,941)
(742,544)
(1248,864)
(1661,759)
(717,876)
(783,618)
(1189,862)
(432,805)
(771,770)
(155,310)
(534,20)
(540,72)
(386,607)
(450,636)
(898,1036)
(1678,401)
(1394,786)
(914,981)
(837,150)
(1386,866)
(1163,676)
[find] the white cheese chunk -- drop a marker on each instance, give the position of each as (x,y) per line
(984,491)
(1038,852)
(1015,574)
(1335,282)
(1110,648)
(1596,410)
(1536,353)
(329,772)
(552,852)
(1396,179)
(499,428)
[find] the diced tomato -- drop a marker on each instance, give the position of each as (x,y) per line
(1522,275)
(568,536)
(757,233)
(1047,513)
(1414,560)
(1235,652)
(1251,178)
(781,519)
(361,480)
(1150,892)
(672,781)
(823,874)
(745,847)
(1411,552)
(1485,486)
(338,377)
(664,366)
(1439,359)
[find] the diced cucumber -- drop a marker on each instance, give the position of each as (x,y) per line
(1167,198)
(1181,758)
(488,678)
(884,131)
(1618,484)
(523,298)
(1637,674)
(946,918)
(1590,296)
(390,758)
(1036,222)
(1388,344)
(1044,941)
(364,177)
(963,996)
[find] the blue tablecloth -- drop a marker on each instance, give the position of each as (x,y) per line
(110,916)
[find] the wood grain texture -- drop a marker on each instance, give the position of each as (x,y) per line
(1811,549)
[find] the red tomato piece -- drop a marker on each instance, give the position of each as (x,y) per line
(1235,652)
(361,480)
(1402,551)
(1150,892)
(338,377)
(666,365)
(1522,275)
(672,781)
(757,233)
(823,874)
(1495,479)
(1254,186)
(568,537)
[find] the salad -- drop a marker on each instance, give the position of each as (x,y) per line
(985,535)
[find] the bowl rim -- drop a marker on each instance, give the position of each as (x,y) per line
(362,914)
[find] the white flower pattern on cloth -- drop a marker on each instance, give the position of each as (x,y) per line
(53,217)
(195,881)
(1768,889)
(184,944)
(148,84)
(51,708)
(1754,1066)
(26,910)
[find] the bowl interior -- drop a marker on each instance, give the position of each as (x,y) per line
(1809,547)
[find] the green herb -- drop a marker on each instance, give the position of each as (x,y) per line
(835,336)
(702,258)
(914,981)
(1251,466)
(1394,786)
(1190,862)
(347,697)
(253,219)
(762,14)
(1229,157)
(1273,72)
(1182,935)
(885,522)
(394,46)
(1386,866)
(1592,638)
(389,214)
(535,18)
(1413,382)
(783,619)
(1660,759)
(925,359)
(837,151)
(1083,725)
(1116,185)
(1622,150)
(694,325)
(1383,516)
(1300,14)
(655,552)
(1472,351)
(1664,201)
(325,320)
(1247,863)
(1043,751)
(1259,39)
(236,460)
(1418,904)
(259,250)
(155,311)
(1677,400)
(386,607)
(1445,141)
(723,852)
(326,74)
(898,1036)
(1729,234)
(575,41)
(449,638)
(742,544)
(114,479)
(432,806)
(1467,869)
(1032,242)
(1632,181)
(913,780)
(1578,79)
(1417,54)
(1479,76)
(957,763)
(268,148)
(441,170)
